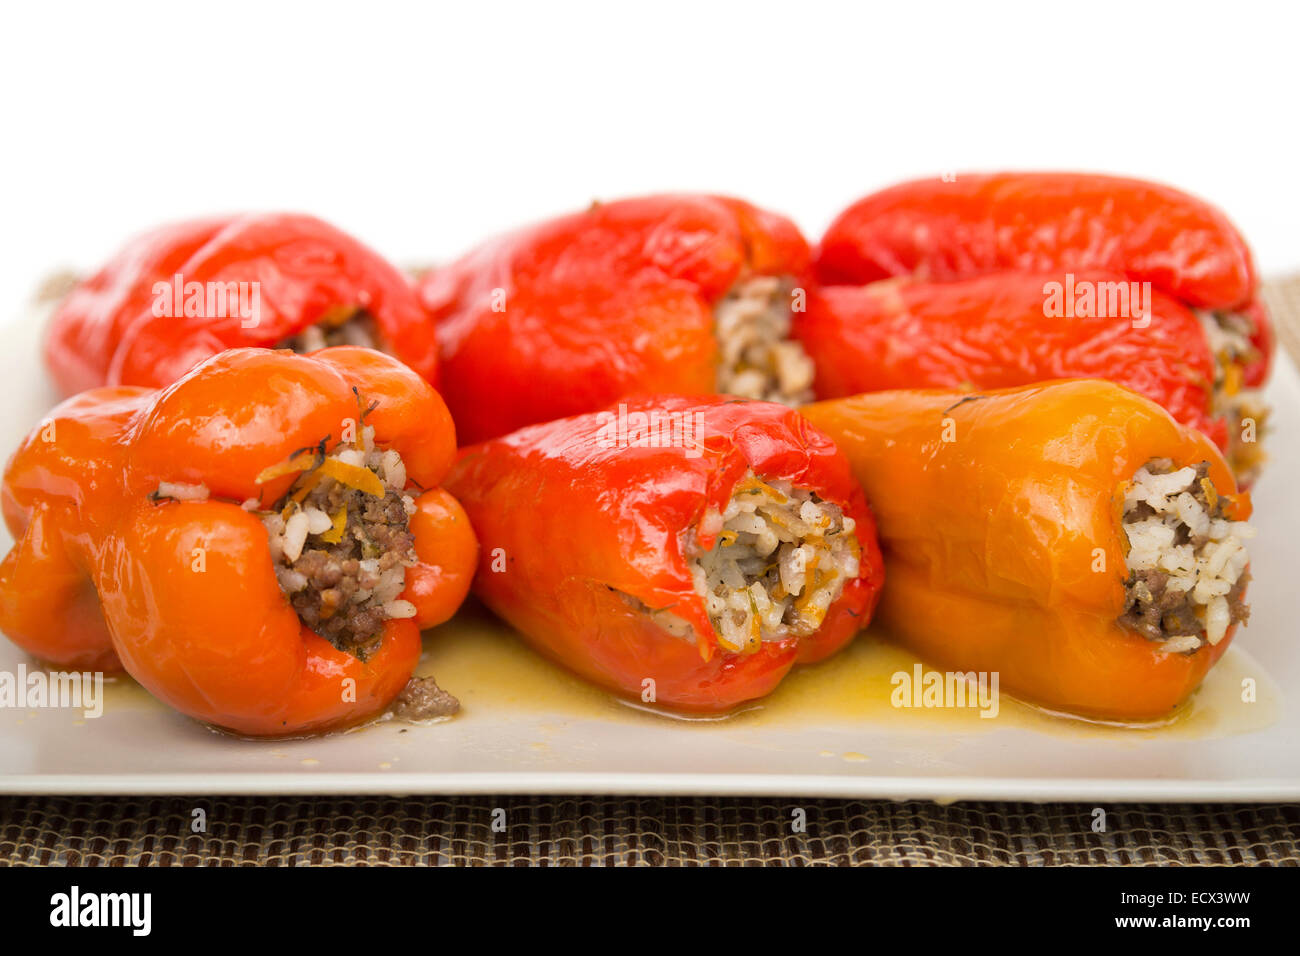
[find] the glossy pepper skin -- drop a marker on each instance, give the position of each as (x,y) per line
(183,594)
(990,538)
(566,316)
(1045,222)
(992,332)
(570,530)
(106,332)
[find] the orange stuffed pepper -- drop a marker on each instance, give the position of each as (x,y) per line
(258,544)
(1071,536)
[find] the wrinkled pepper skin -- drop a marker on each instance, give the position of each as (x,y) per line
(566,316)
(578,526)
(990,537)
(1044,222)
(991,332)
(105,331)
(104,575)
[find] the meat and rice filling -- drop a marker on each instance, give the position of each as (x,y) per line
(756,357)
(337,327)
(341,542)
(1186,561)
(781,558)
(1229,337)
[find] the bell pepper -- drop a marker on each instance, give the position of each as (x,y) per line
(566,316)
(1051,222)
(1009,520)
(994,331)
(181,293)
(146,536)
(610,543)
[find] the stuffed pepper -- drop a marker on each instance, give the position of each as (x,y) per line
(686,552)
(1005,329)
(1053,222)
(687,294)
(1070,536)
(182,293)
(258,545)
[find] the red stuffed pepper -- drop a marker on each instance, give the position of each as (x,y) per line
(258,545)
(1001,330)
(1050,222)
(686,294)
(181,293)
(688,552)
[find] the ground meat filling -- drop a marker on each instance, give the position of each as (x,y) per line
(341,543)
(1187,562)
(423,699)
(756,357)
(781,558)
(337,327)
(1229,337)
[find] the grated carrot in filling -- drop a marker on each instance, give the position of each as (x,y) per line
(781,559)
(340,540)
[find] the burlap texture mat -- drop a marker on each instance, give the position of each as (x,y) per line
(584,831)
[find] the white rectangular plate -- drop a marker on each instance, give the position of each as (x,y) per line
(528,727)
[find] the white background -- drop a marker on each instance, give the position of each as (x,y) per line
(424,128)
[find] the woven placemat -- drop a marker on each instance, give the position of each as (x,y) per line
(593,831)
(577,831)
